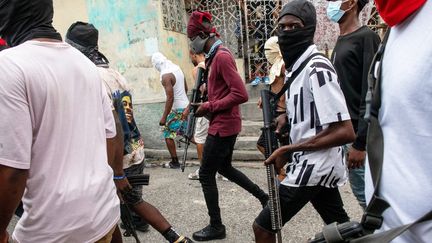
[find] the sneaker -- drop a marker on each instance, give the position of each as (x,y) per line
(171,165)
(256,81)
(194,175)
(183,239)
(210,233)
(266,80)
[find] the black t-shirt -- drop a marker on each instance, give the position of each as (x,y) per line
(352,57)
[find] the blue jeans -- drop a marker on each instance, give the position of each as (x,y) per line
(357,182)
(356,179)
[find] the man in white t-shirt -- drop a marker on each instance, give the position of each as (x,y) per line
(56,119)
(174,83)
(405,117)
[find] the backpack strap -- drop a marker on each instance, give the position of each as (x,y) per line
(372,218)
(294,75)
(390,234)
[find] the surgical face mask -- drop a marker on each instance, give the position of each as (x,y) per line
(334,13)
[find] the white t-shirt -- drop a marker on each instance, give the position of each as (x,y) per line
(55,118)
(315,100)
(406,120)
(181,100)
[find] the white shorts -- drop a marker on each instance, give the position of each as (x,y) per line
(201,130)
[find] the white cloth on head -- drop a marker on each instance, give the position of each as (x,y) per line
(274,56)
(162,64)
(165,66)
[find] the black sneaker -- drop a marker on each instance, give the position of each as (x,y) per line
(171,165)
(210,233)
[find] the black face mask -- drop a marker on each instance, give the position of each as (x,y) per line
(293,44)
(22,20)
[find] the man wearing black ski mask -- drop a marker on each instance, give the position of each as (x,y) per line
(320,124)
(56,120)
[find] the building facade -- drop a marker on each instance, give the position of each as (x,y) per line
(131,31)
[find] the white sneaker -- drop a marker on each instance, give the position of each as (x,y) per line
(194,175)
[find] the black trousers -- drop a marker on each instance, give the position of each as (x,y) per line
(217,157)
(326,201)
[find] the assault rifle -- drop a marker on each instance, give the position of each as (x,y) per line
(269,103)
(190,130)
(126,215)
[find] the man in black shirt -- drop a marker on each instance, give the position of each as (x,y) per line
(352,57)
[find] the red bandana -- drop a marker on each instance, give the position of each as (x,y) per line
(395,11)
(2,42)
(196,25)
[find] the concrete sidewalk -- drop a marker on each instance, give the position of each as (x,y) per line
(181,201)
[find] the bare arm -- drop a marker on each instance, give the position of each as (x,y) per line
(168,81)
(338,133)
(115,148)
(12,185)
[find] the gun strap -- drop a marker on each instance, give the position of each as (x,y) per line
(372,218)
(389,235)
(294,75)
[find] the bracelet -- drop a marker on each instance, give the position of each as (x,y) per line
(119,177)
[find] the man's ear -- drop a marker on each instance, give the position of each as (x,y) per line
(352,5)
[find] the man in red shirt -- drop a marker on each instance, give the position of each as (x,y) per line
(226,91)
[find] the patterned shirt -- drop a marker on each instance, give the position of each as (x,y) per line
(315,100)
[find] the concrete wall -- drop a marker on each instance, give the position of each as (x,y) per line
(129,33)
(67,12)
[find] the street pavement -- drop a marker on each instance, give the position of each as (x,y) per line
(181,201)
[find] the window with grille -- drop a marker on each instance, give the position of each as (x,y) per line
(173,15)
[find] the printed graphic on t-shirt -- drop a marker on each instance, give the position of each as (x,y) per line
(133,142)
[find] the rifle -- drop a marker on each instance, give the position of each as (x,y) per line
(126,215)
(190,130)
(269,103)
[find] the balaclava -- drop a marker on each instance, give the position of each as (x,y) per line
(293,43)
(84,37)
(23,20)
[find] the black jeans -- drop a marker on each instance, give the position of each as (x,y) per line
(217,157)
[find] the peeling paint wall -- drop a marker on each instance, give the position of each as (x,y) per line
(127,36)
(129,33)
